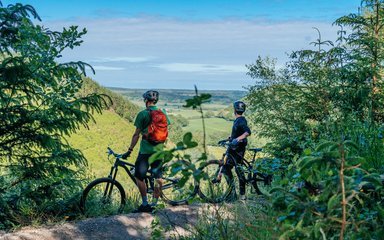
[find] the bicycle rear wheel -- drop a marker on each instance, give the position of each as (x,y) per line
(177,189)
(262,183)
(214,191)
(103,196)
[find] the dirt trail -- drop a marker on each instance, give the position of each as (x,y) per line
(128,226)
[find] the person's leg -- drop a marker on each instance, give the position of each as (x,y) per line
(156,169)
(240,172)
(241,176)
(227,171)
(141,168)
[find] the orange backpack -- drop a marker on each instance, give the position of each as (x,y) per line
(157,128)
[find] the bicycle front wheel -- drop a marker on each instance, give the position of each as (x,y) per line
(177,189)
(103,196)
(211,189)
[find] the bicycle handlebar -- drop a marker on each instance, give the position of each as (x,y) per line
(224,142)
(111,152)
(227,143)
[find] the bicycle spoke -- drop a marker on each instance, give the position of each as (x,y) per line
(177,189)
(102,198)
(212,188)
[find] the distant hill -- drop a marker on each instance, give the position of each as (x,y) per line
(224,97)
(121,105)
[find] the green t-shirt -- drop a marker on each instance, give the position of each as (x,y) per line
(142,122)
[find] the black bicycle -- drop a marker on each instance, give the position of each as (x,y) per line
(107,193)
(213,189)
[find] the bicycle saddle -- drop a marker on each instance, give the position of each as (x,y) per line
(255,149)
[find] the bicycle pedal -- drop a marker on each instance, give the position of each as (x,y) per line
(215,180)
(267,181)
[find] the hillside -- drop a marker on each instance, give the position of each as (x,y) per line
(108,130)
(120,105)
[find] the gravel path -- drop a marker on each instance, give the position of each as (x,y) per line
(128,226)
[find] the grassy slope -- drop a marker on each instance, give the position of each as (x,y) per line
(110,130)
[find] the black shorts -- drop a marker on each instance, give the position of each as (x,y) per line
(142,166)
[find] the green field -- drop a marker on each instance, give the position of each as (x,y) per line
(214,126)
(178,96)
(177,105)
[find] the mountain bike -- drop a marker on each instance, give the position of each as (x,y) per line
(107,193)
(213,189)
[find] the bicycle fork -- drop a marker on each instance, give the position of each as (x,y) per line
(109,187)
(220,172)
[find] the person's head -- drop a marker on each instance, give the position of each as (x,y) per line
(151,97)
(239,107)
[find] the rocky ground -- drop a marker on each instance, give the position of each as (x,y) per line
(175,220)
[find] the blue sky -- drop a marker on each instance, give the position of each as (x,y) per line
(176,44)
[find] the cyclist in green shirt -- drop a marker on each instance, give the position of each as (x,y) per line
(147,148)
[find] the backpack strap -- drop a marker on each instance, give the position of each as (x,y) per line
(149,114)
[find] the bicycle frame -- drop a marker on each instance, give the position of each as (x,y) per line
(245,162)
(149,180)
(108,190)
(120,163)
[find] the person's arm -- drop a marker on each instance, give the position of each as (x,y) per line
(135,139)
(242,136)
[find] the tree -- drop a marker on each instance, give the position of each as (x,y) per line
(329,84)
(363,61)
(323,112)
(39,104)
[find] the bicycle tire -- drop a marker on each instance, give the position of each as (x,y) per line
(171,192)
(263,185)
(214,192)
(94,202)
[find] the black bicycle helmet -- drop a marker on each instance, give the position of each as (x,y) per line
(151,95)
(239,106)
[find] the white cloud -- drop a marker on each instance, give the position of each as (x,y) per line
(146,48)
(201,68)
(122,59)
(108,68)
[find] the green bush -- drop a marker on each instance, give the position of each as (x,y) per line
(339,198)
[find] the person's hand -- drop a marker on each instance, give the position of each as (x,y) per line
(235,141)
(126,155)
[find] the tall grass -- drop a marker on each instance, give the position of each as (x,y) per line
(251,220)
(95,209)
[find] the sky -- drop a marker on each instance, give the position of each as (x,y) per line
(176,44)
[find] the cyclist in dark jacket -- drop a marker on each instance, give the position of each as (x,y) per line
(240,132)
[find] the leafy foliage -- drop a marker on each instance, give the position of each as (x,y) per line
(39,103)
(295,106)
(342,197)
(195,103)
(323,113)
